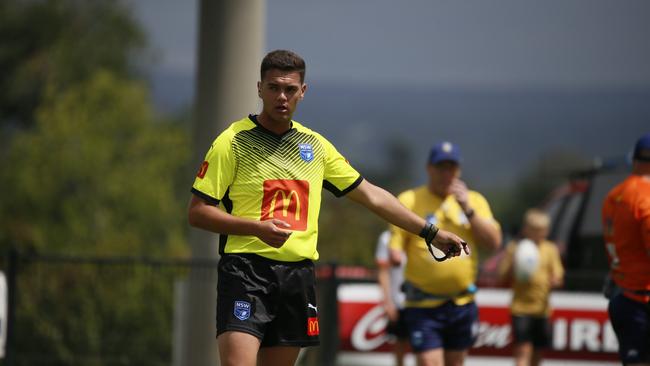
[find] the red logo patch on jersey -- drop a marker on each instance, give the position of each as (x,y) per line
(286,200)
(312,326)
(202,170)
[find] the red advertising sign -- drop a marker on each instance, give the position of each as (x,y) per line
(581,327)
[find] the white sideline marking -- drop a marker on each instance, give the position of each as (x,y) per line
(370,293)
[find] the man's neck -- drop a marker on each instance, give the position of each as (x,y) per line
(275,126)
(440,194)
(642,169)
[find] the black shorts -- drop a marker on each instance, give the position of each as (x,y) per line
(534,329)
(274,301)
(631,322)
(399,329)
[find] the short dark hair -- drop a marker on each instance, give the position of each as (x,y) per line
(283,60)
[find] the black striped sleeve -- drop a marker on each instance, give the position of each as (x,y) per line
(340,193)
(208,199)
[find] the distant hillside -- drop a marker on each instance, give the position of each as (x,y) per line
(501,132)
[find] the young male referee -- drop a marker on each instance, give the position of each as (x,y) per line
(260,188)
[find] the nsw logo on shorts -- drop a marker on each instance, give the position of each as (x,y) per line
(306,152)
(242,310)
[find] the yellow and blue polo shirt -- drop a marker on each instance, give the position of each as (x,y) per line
(452,278)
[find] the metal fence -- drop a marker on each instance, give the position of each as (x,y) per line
(105,311)
(74,310)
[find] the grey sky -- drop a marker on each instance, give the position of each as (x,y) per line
(508,80)
(467,43)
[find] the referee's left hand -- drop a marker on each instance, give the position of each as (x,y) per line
(450,243)
(273,232)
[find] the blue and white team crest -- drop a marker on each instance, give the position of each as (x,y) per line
(242,310)
(306,152)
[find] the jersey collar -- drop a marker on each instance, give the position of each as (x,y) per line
(253,118)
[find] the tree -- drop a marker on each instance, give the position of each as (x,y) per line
(59,43)
(96,175)
(348,233)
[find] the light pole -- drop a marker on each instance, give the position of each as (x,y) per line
(230,46)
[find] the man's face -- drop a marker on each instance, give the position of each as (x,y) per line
(442,175)
(280,92)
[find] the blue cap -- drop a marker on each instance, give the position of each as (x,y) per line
(642,148)
(444,151)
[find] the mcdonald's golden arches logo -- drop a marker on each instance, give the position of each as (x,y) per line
(286,200)
(312,326)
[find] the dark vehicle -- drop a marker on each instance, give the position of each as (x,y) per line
(575,210)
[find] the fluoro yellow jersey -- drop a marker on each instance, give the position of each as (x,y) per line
(250,172)
(448,280)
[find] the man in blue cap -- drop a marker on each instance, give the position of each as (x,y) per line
(626,227)
(441,315)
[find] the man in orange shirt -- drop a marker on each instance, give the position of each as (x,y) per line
(626,224)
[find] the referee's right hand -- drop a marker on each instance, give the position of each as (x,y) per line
(273,232)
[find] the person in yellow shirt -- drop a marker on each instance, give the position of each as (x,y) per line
(530,308)
(440,312)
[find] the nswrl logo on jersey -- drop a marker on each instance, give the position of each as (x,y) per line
(242,310)
(306,152)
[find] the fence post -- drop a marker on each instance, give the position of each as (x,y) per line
(329,319)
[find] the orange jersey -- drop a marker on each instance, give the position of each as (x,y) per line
(626,224)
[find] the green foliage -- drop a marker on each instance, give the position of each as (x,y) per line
(348,232)
(85,314)
(59,43)
(97,175)
(86,168)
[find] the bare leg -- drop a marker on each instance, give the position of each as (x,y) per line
(432,357)
(455,358)
(280,356)
(399,350)
(523,353)
(238,349)
(536,358)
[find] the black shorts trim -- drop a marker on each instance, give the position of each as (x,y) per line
(261,337)
(268,261)
(250,331)
(293,344)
